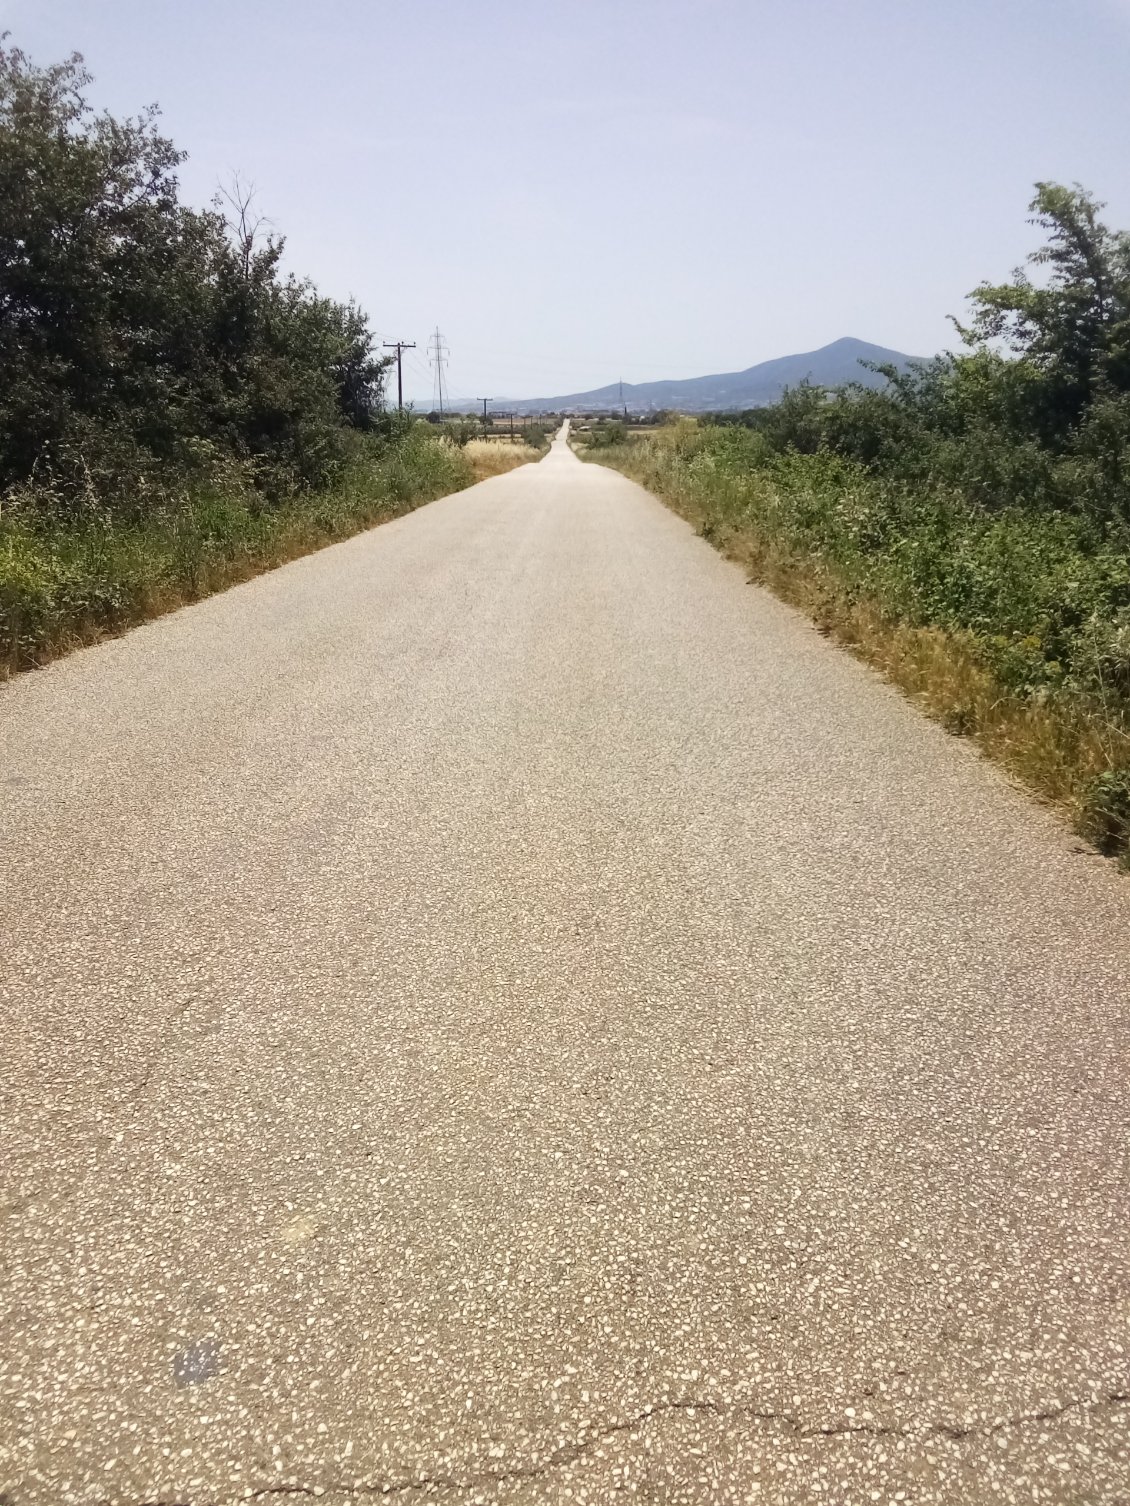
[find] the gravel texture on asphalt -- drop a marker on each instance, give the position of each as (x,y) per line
(501,1010)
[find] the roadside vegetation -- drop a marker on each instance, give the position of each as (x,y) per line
(493,457)
(176,412)
(966,528)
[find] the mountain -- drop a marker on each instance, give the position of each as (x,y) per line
(830,366)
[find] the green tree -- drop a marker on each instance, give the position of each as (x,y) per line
(1072,326)
(140,338)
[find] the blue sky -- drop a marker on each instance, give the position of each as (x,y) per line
(577,193)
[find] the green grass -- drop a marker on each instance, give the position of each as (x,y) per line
(1011,626)
(71,577)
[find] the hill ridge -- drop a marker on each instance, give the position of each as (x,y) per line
(831,365)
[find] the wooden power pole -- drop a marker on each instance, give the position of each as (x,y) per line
(399,346)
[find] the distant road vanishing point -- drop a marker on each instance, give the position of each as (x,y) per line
(501,1010)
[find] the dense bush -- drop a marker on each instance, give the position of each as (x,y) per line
(175,413)
(606,434)
(1033,413)
(72,576)
(1046,595)
(1034,604)
(141,341)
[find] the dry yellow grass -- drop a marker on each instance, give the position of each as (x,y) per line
(493,457)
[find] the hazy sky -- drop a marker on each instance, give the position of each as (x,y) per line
(636,188)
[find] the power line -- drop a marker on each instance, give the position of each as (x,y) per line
(400,346)
(419,369)
(438,353)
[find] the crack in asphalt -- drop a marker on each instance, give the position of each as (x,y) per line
(569,1453)
(139,1091)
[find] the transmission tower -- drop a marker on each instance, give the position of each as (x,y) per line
(438,352)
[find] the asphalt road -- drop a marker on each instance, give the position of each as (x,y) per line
(501,1009)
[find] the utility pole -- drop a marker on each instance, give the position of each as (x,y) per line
(623,404)
(438,352)
(399,346)
(484,401)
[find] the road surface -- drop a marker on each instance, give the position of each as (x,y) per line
(501,1010)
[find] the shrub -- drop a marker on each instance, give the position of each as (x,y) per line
(1105,812)
(141,339)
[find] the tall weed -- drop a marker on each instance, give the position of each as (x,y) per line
(71,575)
